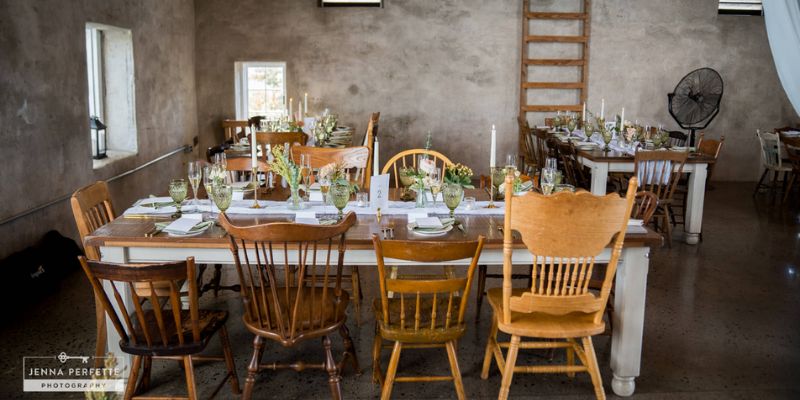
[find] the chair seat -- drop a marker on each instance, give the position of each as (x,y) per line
(425,334)
(543,325)
(210,321)
(312,314)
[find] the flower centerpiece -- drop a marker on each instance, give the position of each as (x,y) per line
(283,165)
(459,174)
(324,128)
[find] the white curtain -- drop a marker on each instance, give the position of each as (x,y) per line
(783,29)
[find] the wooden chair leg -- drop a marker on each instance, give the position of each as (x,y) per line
(334,379)
(451,355)
(508,373)
(130,389)
(491,343)
(570,360)
(252,369)
(356,282)
(100,344)
(226,351)
(391,371)
(594,370)
(349,348)
(377,375)
(758,185)
(481,291)
(667,227)
(191,387)
(145,383)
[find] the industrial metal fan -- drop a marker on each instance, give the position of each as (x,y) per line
(695,101)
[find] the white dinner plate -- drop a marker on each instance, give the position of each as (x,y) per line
(431,232)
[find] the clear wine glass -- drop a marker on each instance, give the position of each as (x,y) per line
(324,186)
(178,190)
(194,173)
(548,180)
(305,173)
(436,184)
(221,159)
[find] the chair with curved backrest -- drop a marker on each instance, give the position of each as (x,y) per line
(792,146)
(92,208)
(771,160)
(291,277)
(710,147)
(408,158)
(369,141)
(164,330)
(564,232)
(234,130)
(265,139)
(659,172)
(677,138)
(426,310)
(351,158)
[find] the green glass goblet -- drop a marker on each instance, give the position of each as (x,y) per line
(340,195)
(222,196)
(453,194)
(178,189)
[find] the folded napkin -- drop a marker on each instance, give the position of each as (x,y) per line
(156,202)
(185,224)
(578,133)
(431,224)
(524,187)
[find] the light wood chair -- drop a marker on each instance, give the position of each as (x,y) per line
(564,232)
(264,139)
(293,301)
(771,161)
(408,158)
(369,141)
(792,146)
(234,130)
(165,330)
(659,172)
(429,312)
(92,208)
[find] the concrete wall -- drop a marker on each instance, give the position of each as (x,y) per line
(44,114)
(451,67)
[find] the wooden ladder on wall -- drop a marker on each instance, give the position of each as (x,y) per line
(583,17)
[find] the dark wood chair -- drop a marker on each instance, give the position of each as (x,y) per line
(677,138)
(164,330)
(792,146)
(291,276)
(573,170)
(659,172)
(426,311)
(234,130)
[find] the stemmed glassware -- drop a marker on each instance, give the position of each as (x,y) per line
(222,195)
(195,173)
(548,180)
(324,186)
(221,159)
(178,190)
(305,173)
(436,184)
(452,196)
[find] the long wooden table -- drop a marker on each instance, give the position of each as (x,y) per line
(601,163)
(123,241)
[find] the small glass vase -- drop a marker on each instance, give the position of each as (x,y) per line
(421,202)
(295,200)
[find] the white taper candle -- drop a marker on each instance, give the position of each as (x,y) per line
(492,160)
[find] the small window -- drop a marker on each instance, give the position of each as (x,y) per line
(741,7)
(260,89)
(111,88)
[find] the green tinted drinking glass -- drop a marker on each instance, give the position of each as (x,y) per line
(178,189)
(222,195)
(340,195)
(452,196)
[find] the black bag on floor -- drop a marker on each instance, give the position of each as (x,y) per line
(36,271)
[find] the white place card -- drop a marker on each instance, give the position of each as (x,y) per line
(429,222)
(315,195)
(379,192)
(238,195)
(414,216)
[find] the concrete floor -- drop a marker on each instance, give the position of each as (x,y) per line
(721,323)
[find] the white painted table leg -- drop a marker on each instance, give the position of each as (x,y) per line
(628,323)
(117,255)
(599,178)
(694,203)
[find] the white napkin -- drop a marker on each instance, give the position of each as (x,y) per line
(413,216)
(184,224)
(429,223)
(306,217)
(635,222)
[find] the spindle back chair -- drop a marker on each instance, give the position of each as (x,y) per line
(369,141)
(408,158)
(659,172)
(164,329)
(426,310)
(792,146)
(291,276)
(564,232)
(234,130)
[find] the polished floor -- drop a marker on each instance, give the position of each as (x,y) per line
(722,322)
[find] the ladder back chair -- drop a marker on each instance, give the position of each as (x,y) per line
(291,276)
(369,141)
(92,208)
(427,311)
(564,232)
(659,172)
(792,146)
(234,130)
(164,330)
(408,158)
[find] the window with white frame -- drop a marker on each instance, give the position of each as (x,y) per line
(260,89)
(94,69)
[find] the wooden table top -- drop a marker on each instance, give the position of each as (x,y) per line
(130,231)
(599,155)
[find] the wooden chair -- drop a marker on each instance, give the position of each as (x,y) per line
(542,150)
(290,301)
(771,161)
(369,141)
(564,232)
(792,146)
(659,172)
(165,330)
(355,159)
(677,138)
(429,311)
(234,130)
(573,170)
(401,160)
(644,206)
(264,139)
(708,147)
(92,208)
(528,140)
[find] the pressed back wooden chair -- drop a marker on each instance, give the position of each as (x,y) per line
(564,232)
(369,141)
(426,310)
(292,300)
(408,158)
(659,172)
(792,146)
(164,330)
(234,130)
(92,208)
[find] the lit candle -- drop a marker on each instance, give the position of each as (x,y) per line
(603,108)
(290,116)
(253,162)
(375,163)
(305,104)
(492,161)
